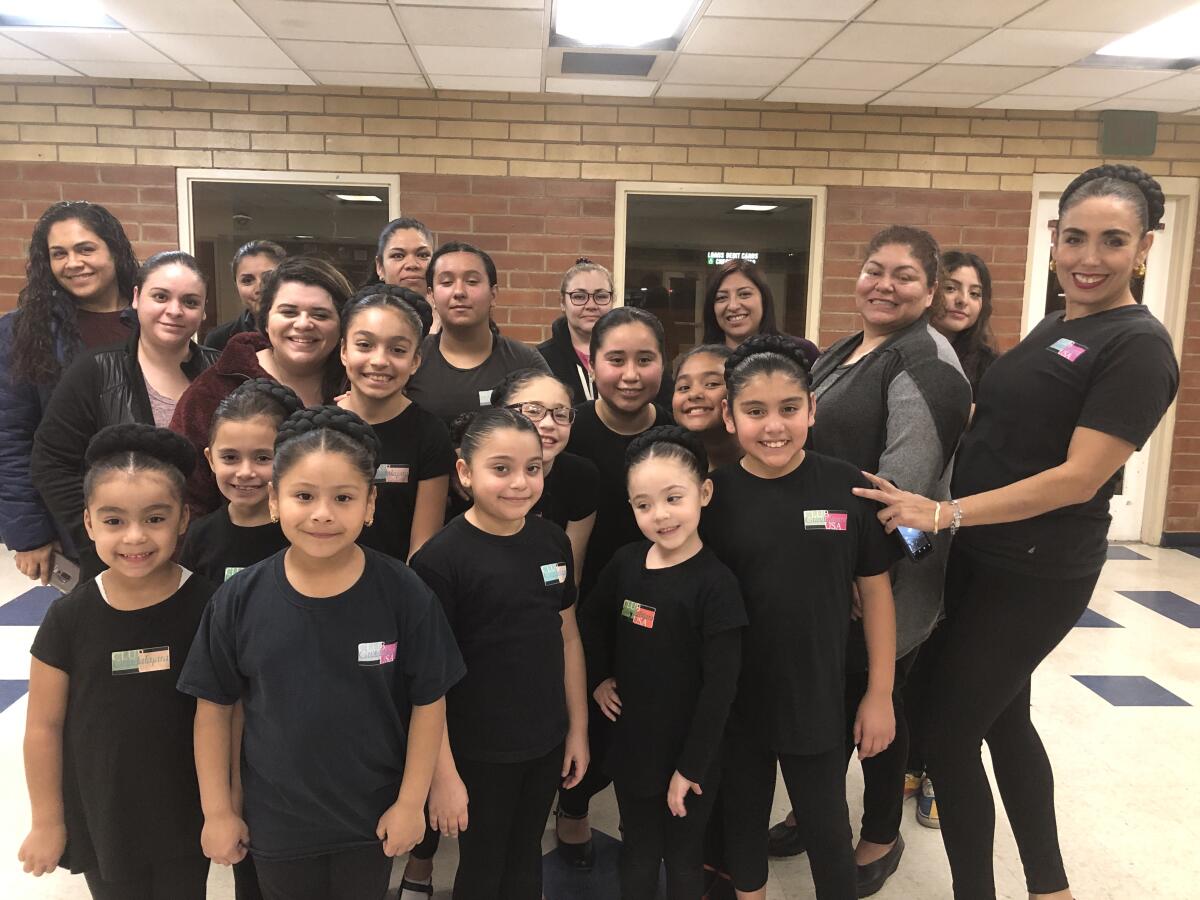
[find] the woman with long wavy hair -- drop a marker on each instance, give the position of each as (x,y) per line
(80,274)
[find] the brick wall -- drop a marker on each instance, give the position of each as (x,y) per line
(1183,491)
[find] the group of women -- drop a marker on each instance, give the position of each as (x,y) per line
(847,641)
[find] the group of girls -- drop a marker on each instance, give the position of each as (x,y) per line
(674,609)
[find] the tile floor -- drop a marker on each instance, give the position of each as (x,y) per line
(1115,704)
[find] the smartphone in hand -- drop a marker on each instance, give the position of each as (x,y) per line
(64,574)
(916,542)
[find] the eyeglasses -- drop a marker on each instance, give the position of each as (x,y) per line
(580,298)
(535,412)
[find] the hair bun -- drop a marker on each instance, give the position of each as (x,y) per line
(459,426)
(134,437)
(780,344)
(314,418)
(583,261)
(288,400)
(667,434)
(1156,201)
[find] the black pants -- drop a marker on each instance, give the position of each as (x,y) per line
(883,773)
(574,802)
(245,880)
(358,874)
(428,846)
(816,786)
(1000,625)
(914,694)
(500,853)
(178,879)
(653,836)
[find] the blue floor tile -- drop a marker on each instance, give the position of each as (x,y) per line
(11,692)
(28,608)
(1190,551)
(1116,551)
(1093,619)
(562,882)
(1167,603)
(1130,690)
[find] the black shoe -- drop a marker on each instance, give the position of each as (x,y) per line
(784,840)
(872,876)
(577,856)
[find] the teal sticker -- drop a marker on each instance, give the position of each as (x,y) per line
(554,573)
(230,571)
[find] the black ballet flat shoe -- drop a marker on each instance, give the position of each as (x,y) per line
(577,856)
(872,876)
(784,840)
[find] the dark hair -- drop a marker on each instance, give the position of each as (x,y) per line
(134,447)
(976,346)
(168,258)
(254,398)
(627,315)
(461,247)
(920,243)
(470,430)
(401,224)
(712,330)
(583,264)
(516,380)
(668,442)
(411,306)
(719,350)
(47,321)
(1128,183)
(257,248)
(325,428)
(766,354)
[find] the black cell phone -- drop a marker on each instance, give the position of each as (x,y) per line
(916,542)
(64,574)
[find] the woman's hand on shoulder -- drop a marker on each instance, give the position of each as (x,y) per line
(42,849)
(899,507)
(225,838)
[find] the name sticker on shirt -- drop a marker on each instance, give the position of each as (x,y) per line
(554,573)
(230,571)
(825,520)
(638,614)
(137,662)
(391,475)
(485,397)
(376,653)
(1067,349)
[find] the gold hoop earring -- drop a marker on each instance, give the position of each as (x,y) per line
(1140,271)
(1053,268)
(274,519)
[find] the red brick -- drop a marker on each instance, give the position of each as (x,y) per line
(600,208)
(544,206)
(166,233)
(998,199)
(44,191)
(161,176)
(896,215)
(525,262)
(1013,237)
(507,224)
(925,197)
(447,225)
(567,188)
(558,225)
(156,195)
(530,334)
(465,203)
(544,243)
(71,173)
(982,217)
(850,232)
(506,186)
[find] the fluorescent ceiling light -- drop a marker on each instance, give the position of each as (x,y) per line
(54,14)
(1175,37)
(359,198)
(754,207)
(304,237)
(621,23)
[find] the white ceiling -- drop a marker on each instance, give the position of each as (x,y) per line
(1018,54)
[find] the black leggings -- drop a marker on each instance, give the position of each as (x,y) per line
(653,836)
(500,852)
(245,880)
(816,786)
(177,879)
(1000,625)
(359,874)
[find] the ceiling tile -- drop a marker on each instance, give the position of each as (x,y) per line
(33,67)
(731,37)
(1014,47)
(372,79)
(290,20)
(898,43)
(331,55)
(487,4)
(822,95)
(1080,81)
(472,27)
(167,71)
(945,12)
(711,91)
(609,87)
(931,98)
(250,75)
(989,80)
(481,61)
(1180,87)
(1162,106)
(1115,15)
(834,73)
(1030,101)
(836,10)
(115,46)
(10,49)
(205,50)
(694,69)
(486,83)
(192,17)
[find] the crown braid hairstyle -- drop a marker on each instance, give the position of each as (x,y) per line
(330,429)
(133,447)
(1125,182)
(520,378)
(766,354)
(668,442)
(470,430)
(253,398)
(414,308)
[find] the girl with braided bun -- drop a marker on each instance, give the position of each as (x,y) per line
(662,636)
(1055,420)
(341,658)
(108,738)
(798,575)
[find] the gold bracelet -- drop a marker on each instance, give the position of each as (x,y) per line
(937,514)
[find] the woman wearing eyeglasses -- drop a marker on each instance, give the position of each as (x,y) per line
(586,294)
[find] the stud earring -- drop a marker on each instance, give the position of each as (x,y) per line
(1140,271)
(1053,267)
(274,519)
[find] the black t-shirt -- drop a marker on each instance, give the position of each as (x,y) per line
(796,544)
(328,686)
(504,596)
(615,524)
(1113,372)
(129,787)
(571,491)
(218,549)
(659,633)
(416,448)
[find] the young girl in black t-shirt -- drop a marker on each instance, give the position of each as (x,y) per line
(663,642)
(382,330)
(108,740)
(342,658)
(517,724)
(785,521)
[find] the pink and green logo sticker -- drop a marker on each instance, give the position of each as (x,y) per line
(825,520)
(376,653)
(1067,349)
(138,662)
